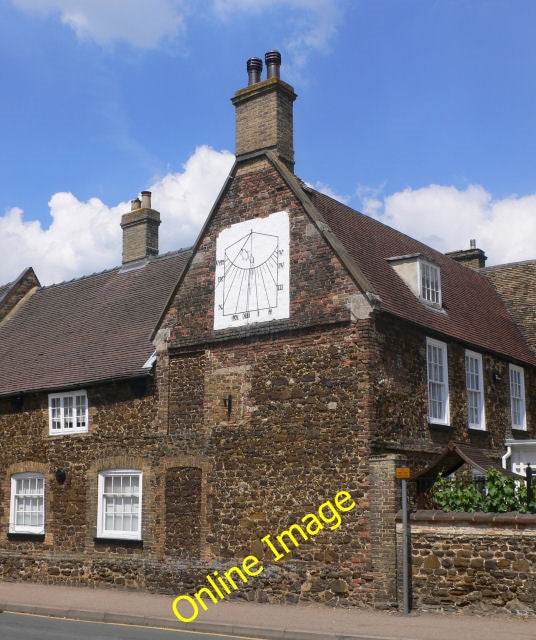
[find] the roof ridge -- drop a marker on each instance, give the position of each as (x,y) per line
(79,279)
(401,233)
(157,258)
(507,264)
(374,220)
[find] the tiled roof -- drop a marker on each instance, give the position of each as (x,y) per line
(516,284)
(474,314)
(456,455)
(92,329)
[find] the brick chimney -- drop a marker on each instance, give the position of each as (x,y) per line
(140,230)
(473,258)
(264,119)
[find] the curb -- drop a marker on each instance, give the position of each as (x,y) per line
(201,627)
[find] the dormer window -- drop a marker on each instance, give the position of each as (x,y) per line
(430,282)
(422,275)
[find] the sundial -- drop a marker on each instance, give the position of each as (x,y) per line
(252,272)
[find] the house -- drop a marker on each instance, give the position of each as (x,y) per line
(515,283)
(161,419)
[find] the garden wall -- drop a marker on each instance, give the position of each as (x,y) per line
(476,562)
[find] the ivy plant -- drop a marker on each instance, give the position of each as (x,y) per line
(499,495)
(457,494)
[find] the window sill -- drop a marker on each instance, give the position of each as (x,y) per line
(433,306)
(68,433)
(20,536)
(131,543)
(440,427)
(521,434)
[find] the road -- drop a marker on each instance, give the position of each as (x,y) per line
(17,626)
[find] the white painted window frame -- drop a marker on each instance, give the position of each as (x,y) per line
(517,395)
(16,496)
(60,412)
(102,531)
(429,276)
(434,379)
(475,391)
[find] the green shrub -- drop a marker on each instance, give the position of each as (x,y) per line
(500,494)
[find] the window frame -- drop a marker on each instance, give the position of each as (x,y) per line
(38,529)
(424,265)
(515,369)
(481,424)
(102,532)
(62,396)
(442,346)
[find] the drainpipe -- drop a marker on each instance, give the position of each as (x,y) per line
(506,457)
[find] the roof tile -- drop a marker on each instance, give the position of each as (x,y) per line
(92,329)
(475,314)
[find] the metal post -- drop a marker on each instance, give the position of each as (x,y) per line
(405,581)
(528,475)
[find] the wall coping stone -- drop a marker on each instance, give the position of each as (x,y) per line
(478,517)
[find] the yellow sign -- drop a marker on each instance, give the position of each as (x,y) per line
(402,473)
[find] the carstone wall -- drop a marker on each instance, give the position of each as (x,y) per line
(473,562)
(401,397)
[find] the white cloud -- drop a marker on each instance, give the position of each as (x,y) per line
(140,23)
(185,199)
(311,25)
(85,237)
(446,218)
(144,24)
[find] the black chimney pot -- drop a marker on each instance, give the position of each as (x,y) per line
(273,64)
(254,70)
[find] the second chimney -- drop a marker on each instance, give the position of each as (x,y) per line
(473,257)
(264,112)
(140,230)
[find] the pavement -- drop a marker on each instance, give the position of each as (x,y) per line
(253,620)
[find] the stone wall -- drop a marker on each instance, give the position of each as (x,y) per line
(214,481)
(401,397)
(473,562)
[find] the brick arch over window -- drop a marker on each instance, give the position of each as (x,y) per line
(5,498)
(118,462)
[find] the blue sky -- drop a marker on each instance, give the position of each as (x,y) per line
(420,113)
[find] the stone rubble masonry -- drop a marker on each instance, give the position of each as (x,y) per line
(401,397)
(473,562)
(322,402)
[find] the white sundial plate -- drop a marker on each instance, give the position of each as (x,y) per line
(252,272)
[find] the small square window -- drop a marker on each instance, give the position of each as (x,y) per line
(68,412)
(27,508)
(119,508)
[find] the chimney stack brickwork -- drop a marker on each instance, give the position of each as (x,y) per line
(264,115)
(140,230)
(473,258)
